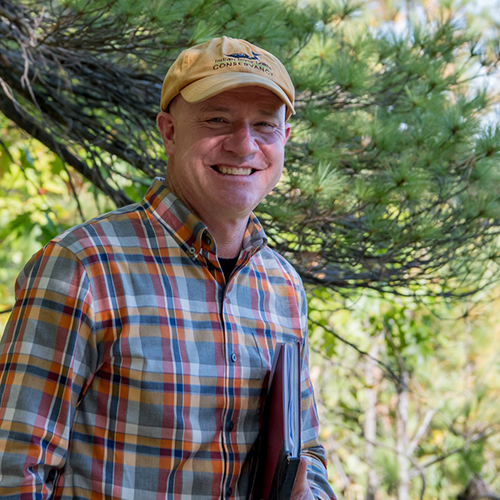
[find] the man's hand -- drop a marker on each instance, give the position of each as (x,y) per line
(301,489)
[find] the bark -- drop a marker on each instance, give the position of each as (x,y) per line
(402,436)
(477,489)
(370,425)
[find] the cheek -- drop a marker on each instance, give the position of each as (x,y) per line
(275,173)
(279,171)
(200,149)
(276,158)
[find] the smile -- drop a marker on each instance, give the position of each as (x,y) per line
(233,170)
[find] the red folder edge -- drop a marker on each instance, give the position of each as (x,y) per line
(277,468)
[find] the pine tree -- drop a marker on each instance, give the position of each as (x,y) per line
(391,180)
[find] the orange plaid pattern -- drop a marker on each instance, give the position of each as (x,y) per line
(130,369)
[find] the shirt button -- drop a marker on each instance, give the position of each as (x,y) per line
(234,357)
(229,491)
(192,250)
(230,426)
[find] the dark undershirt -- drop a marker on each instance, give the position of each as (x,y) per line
(227,266)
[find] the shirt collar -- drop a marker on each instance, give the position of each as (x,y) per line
(187,229)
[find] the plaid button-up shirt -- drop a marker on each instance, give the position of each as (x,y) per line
(130,369)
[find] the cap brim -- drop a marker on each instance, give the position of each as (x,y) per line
(212,85)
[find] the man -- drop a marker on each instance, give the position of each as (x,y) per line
(134,362)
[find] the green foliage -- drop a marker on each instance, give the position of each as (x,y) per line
(390,169)
(393,114)
(391,186)
(36,204)
(451,375)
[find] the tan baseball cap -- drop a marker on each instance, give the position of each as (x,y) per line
(221,64)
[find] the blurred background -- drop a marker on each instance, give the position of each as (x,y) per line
(389,207)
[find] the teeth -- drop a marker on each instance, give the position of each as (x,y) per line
(235,171)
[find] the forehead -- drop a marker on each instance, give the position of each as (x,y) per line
(257,99)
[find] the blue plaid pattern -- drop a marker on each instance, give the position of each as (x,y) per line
(130,369)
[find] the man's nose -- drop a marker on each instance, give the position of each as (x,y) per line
(241,141)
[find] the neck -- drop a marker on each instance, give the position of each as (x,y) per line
(228,232)
(228,236)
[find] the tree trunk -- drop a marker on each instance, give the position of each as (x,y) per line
(370,426)
(402,437)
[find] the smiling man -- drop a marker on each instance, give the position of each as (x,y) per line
(230,148)
(135,360)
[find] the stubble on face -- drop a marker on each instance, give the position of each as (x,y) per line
(225,153)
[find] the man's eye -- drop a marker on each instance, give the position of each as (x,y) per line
(216,120)
(266,125)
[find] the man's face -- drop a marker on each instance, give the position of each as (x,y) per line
(225,153)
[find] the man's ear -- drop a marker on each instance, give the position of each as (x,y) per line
(165,124)
(288,127)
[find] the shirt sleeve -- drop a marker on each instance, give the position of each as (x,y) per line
(47,355)
(311,447)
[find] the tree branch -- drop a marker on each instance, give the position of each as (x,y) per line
(21,120)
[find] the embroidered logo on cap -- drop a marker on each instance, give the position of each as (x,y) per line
(238,59)
(245,56)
